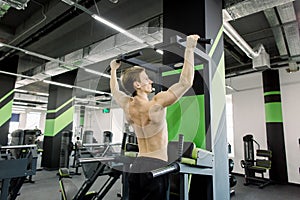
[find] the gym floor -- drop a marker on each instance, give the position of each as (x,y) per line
(46,187)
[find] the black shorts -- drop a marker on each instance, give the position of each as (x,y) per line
(141,186)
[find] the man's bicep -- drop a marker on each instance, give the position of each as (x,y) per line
(165,98)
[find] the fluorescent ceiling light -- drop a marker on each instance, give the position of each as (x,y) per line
(159,51)
(24,107)
(20,103)
(58,84)
(31,92)
(71,3)
(17,109)
(63,64)
(18,75)
(106,22)
(229,87)
(87,106)
(1,44)
(32,53)
(39,108)
(21,91)
(92,91)
(117,28)
(42,94)
(96,73)
(180,64)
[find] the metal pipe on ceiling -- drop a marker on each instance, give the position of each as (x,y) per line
(238,40)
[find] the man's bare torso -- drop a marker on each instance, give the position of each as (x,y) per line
(149,123)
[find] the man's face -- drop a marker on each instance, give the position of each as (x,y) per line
(145,82)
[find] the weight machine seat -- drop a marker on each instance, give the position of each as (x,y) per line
(262,165)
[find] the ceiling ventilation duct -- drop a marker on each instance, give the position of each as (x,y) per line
(238,9)
(260,58)
(276,29)
(17,4)
(262,61)
(103,50)
(290,26)
(238,40)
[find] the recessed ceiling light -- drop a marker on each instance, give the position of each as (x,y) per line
(114,1)
(180,64)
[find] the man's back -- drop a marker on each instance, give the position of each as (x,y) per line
(149,123)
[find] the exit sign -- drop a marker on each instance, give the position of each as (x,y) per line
(106,110)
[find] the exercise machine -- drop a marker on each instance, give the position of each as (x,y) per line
(92,168)
(198,161)
(210,164)
(107,163)
(13,171)
(24,137)
(258,165)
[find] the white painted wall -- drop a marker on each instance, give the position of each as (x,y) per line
(249,117)
(22,120)
(248,114)
(42,121)
(99,122)
(117,124)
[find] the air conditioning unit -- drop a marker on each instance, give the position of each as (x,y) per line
(262,61)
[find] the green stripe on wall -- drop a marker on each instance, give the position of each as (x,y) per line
(271,93)
(213,48)
(178,71)
(7,95)
(5,112)
(187,117)
(54,126)
(60,107)
(273,112)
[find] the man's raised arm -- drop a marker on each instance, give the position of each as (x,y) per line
(120,97)
(186,79)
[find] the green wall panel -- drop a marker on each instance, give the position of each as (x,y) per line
(187,117)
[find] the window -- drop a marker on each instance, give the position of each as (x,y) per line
(14,122)
(33,120)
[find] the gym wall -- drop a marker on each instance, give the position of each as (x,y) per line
(249,117)
(99,122)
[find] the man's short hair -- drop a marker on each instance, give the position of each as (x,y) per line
(129,76)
